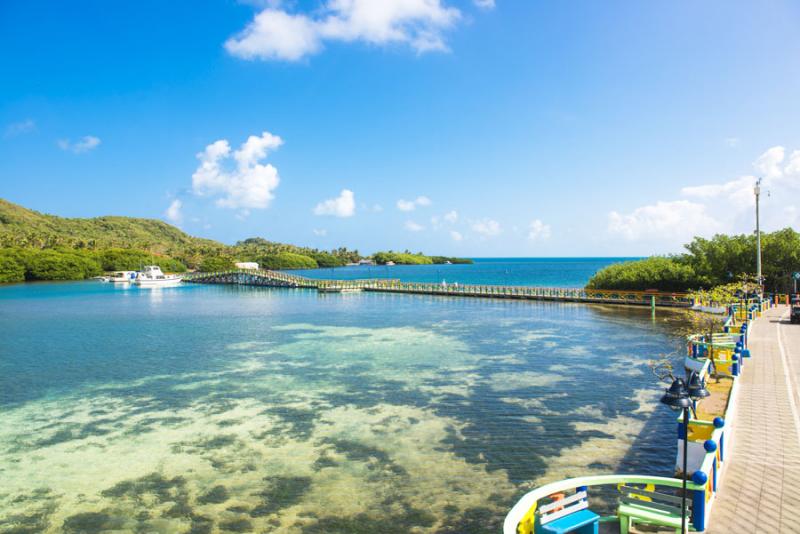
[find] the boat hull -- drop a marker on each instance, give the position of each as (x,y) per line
(169,282)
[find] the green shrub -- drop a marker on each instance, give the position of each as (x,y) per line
(327,260)
(12,267)
(60,265)
(401,258)
(445,259)
(120,259)
(287,260)
(216,263)
(664,274)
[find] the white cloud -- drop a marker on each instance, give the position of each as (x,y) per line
(768,164)
(484,4)
(406,205)
(411,205)
(19,128)
(722,207)
(342,206)
(538,230)
(456,236)
(87,143)
(738,192)
(677,220)
(322,232)
(276,34)
(377,208)
(173,212)
(792,168)
(249,184)
(411,226)
(486,227)
(451,216)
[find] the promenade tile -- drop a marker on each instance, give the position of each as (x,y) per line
(759,491)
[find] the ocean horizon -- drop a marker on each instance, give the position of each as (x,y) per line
(569,272)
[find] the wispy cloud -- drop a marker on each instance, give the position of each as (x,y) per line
(678,221)
(484,4)
(456,236)
(321,232)
(411,205)
(85,144)
(174,213)
(248,184)
(412,226)
(277,34)
(342,206)
(486,227)
(19,128)
(537,230)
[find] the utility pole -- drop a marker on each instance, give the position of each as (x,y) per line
(757,190)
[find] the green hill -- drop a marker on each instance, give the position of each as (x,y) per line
(22,227)
(37,246)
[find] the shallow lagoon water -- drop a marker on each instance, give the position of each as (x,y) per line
(227,409)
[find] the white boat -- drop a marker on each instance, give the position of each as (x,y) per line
(389,263)
(152,276)
(121,277)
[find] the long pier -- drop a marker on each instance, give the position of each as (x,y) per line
(282,279)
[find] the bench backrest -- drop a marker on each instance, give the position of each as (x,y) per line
(652,499)
(560,508)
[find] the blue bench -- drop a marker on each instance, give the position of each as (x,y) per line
(571,514)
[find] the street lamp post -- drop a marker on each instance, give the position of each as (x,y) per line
(757,191)
(680,397)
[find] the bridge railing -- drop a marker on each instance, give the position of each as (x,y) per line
(481,290)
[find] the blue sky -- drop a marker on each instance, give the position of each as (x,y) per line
(517,128)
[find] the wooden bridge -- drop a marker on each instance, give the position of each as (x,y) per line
(598,296)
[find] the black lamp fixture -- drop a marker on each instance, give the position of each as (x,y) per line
(677,398)
(697,387)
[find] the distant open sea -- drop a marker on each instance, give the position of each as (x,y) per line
(549,272)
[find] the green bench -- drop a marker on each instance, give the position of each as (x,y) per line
(651,508)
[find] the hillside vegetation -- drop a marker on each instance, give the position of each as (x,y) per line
(37,246)
(408,258)
(708,263)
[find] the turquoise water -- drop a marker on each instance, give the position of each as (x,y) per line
(231,409)
(547,272)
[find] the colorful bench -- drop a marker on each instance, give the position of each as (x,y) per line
(649,507)
(568,515)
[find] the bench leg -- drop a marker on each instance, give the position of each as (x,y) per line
(591,528)
(624,524)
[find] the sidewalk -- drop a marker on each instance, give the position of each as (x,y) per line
(760,490)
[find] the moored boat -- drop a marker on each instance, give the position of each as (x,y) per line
(152,276)
(121,277)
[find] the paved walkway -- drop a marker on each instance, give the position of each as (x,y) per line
(760,489)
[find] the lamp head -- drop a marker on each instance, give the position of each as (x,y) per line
(677,396)
(697,388)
